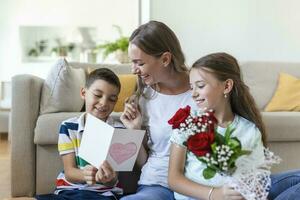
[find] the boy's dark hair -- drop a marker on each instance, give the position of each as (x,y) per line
(103,74)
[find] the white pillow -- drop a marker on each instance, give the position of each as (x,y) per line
(61,89)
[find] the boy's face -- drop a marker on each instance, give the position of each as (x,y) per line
(100,98)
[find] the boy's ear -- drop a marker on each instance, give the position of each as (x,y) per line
(166,58)
(228,86)
(82,93)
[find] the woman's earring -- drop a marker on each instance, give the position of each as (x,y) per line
(225,95)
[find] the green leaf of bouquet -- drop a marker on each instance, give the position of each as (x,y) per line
(216,168)
(219,139)
(201,159)
(234,143)
(231,170)
(228,133)
(208,173)
(231,162)
(244,152)
(214,147)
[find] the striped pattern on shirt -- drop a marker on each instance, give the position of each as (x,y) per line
(70,134)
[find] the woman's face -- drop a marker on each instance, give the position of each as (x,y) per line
(207,90)
(148,67)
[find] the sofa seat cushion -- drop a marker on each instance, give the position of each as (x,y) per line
(282,126)
(47,126)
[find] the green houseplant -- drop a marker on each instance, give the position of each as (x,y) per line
(119,47)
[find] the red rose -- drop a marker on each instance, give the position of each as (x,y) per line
(200,143)
(179,117)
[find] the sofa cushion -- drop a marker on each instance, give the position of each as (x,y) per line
(47,126)
(128,86)
(262,77)
(282,126)
(117,68)
(61,89)
(287,95)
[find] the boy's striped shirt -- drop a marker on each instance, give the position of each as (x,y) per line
(69,139)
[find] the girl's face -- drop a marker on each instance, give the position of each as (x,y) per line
(100,98)
(148,67)
(207,90)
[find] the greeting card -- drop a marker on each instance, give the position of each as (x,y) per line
(100,142)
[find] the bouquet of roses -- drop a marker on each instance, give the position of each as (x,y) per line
(218,152)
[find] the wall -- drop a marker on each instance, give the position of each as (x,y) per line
(15,13)
(259,30)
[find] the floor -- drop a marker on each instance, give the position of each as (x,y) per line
(4,170)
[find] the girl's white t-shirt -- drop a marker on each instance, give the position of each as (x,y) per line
(156,110)
(250,138)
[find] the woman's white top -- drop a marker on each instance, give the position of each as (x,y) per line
(250,138)
(156,110)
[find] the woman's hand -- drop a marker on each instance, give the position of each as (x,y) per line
(226,193)
(131,116)
(89,173)
(106,175)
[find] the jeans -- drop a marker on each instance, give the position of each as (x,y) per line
(151,192)
(285,186)
(75,195)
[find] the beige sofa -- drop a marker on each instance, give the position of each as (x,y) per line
(283,128)
(35,161)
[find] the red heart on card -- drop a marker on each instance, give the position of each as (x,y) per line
(122,152)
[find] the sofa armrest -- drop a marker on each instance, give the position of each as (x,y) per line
(26,92)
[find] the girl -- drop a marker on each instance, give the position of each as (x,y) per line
(216,84)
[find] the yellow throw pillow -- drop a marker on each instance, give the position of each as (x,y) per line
(128,86)
(287,94)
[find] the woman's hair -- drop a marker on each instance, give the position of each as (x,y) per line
(103,74)
(155,38)
(225,66)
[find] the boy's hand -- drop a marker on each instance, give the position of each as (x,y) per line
(131,116)
(106,174)
(89,173)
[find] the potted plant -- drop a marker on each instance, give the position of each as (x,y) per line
(119,47)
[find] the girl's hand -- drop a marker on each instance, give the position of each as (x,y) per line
(226,193)
(89,173)
(131,116)
(106,174)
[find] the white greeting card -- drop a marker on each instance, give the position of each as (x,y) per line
(101,141)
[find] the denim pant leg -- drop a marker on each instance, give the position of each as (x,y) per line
(75,195)
(151,192)
(285,185)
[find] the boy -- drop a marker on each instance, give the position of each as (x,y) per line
(79,180)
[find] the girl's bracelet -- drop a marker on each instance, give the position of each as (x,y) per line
(210,193)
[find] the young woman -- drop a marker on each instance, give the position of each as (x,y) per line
(164,86)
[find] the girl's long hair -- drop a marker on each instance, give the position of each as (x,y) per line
(225,66)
